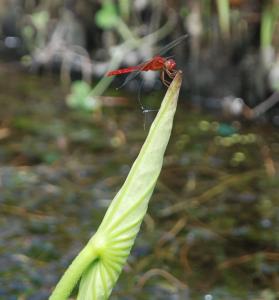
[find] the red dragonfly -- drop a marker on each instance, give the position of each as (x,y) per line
(165,65)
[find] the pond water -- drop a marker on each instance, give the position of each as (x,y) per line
(212,226)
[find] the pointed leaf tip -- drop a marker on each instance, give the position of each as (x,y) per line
(102,259)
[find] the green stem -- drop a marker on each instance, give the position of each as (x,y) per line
(224,17)
(266,27)
(124,31)
(70,278)
(124,8)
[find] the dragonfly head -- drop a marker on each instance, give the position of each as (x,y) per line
(170,64)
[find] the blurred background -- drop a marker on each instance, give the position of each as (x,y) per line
(68,138)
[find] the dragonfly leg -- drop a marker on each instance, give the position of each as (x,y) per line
(163,79)
(171,74)
(139,95)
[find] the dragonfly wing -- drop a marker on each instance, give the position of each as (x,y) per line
(171,45)
(130,77)
(143,67)
(134,74)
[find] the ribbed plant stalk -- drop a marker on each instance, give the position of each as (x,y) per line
(101,261)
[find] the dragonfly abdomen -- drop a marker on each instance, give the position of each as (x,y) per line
(123,71)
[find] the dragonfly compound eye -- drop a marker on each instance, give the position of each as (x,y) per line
(170,64)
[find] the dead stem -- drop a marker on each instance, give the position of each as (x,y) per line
(274,256)
(224,182)
(166,275)
(172,233)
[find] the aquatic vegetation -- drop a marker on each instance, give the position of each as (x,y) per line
(101,261)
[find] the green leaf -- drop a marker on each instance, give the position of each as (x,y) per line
(102,259)
(122,221)
(107,17)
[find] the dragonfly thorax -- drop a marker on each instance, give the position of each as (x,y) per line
(170,64)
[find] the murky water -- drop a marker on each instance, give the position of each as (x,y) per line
(212,227)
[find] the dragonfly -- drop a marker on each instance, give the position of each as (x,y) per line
(166,65)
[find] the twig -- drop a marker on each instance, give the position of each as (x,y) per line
(210,193)
(274,256)
(166,275)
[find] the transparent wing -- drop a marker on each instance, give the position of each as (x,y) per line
(134,74)
(172,44)
(163,51)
